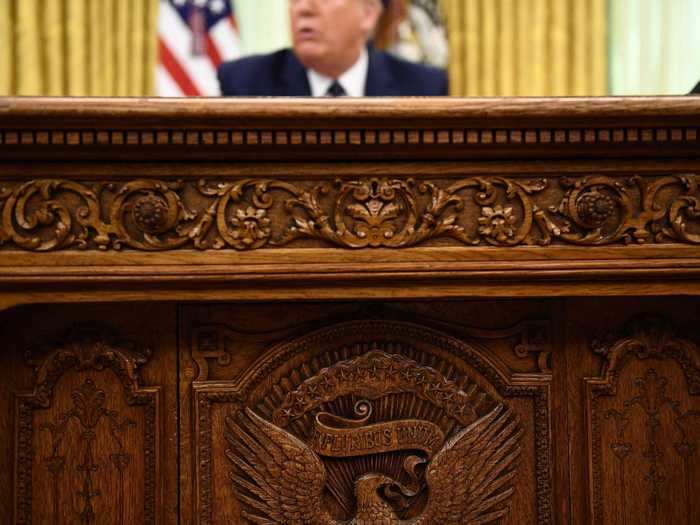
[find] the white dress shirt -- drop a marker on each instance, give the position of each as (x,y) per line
(353,80)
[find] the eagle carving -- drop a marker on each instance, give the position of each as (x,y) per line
(280,480)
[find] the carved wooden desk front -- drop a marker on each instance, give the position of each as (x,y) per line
(265,311)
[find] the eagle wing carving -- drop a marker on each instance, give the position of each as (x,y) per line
(278,477)
(471,477)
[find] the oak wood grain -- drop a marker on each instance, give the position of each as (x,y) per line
(506,279)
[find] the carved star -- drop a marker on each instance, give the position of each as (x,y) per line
(287,413)
(394,368)
(434,389)
(447,395)
(407,374)
(374,369)
(312,390)
(327,383)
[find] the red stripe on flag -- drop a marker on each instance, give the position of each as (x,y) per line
(212,51)
(176,71)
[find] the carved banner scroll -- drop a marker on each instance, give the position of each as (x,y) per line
(373,419)
(353,438)
(247,214)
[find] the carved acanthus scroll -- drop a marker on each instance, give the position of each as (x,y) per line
(248,214)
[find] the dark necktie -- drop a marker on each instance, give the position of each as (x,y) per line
(335,90)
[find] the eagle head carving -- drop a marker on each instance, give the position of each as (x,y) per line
(280,480)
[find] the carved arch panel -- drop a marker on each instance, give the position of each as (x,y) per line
(365,400)
(643,413)
(87,446)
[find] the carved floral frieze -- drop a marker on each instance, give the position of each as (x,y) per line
(246,214)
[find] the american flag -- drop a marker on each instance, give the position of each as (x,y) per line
(194,37)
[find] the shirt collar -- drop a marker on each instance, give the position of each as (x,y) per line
(353,80)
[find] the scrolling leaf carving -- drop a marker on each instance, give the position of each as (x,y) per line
(604,210)
(248,214)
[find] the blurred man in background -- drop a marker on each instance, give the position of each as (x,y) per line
(331,57)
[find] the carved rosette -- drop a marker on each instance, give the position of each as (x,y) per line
(369,399)
(638,210)
(250,228)
(74,432)
(150,213)
(250,214)
(642,426)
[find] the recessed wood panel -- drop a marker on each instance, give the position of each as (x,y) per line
(406,382)
(644,427)
(90,415)
(87,437)
(633,409)
(371,402)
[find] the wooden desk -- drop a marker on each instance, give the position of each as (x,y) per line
(474,311)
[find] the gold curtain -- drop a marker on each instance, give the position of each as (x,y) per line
(78,47)
(527,47)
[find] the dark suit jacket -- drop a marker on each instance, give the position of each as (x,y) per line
(696,90)
(281,74)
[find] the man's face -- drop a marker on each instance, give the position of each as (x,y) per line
(331,31)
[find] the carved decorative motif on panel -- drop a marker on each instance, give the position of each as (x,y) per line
(208,343)
(282,479)
(213,343)
(651,410)
(645,337)
(91,350)
(533,340)
(652,399)
(89,410)
(374,425)
(376,212)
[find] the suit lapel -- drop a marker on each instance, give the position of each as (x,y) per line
(294,82)
(380,82)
